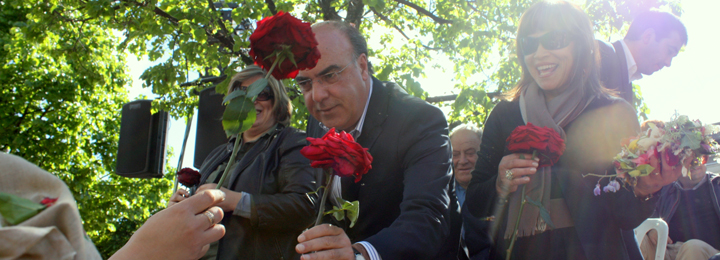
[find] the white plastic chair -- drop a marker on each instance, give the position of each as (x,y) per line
(662,229)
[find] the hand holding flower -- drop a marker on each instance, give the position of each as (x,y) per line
(661,176)
(521,170)
(325,242)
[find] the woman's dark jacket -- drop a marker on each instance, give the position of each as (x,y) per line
(593,139)
(279,179)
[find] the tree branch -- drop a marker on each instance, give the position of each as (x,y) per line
(387,20)
(354,12)
(329,13)
(452,97)
(425,12)
(271,6)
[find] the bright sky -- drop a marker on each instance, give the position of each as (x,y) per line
(690,86)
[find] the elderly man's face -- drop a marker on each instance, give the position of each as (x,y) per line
(465,145)
(339,104)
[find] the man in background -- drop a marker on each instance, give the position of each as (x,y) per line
(465,141)
(652,41)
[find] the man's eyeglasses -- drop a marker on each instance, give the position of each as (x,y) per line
(328,78)
(264,95)
(550,41)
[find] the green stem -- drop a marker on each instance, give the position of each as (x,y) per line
(328,189)
(272,67)
(231,162)
(517,223)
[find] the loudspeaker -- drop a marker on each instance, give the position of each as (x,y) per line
(209,131)
(141,151)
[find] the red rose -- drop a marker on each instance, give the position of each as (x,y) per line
(188,177)
(545,140)
(47,201)
(340,152)
(284,32)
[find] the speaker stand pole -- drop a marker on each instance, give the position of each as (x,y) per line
(182,152)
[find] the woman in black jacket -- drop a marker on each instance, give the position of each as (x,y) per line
(268,192)
(559,89)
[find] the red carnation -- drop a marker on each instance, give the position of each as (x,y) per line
(188,177)
(47,201)
(545,140)
(283,33)
(340,152)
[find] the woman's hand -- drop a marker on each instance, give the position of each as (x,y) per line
(520,169)
(652,183)
(232,198)
(180,195)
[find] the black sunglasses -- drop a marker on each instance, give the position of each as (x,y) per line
(264,95)
(550,41)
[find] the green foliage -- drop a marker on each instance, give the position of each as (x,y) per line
(63,88)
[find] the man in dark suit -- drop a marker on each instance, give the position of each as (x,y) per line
(652,41)
(406,198)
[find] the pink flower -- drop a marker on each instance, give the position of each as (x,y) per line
(646,157)
(596,191)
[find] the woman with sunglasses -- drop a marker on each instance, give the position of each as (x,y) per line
(559,89)
(269,199)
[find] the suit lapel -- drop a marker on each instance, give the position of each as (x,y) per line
(625,78)
(377,112)
(625,87)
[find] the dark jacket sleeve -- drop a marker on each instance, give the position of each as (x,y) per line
(481,194)
(292,208)
(422,226)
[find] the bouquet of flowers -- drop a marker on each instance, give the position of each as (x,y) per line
(679,141)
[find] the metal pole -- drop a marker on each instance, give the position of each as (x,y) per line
(182,152)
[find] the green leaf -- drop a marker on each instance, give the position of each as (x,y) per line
(254,89)
(239,115)
(544,214)
(233,95)
(351,209)
(16,209)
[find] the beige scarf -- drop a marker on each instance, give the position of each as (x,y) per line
(55,232)
(556,114)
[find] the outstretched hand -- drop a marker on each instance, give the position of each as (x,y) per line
(183,231)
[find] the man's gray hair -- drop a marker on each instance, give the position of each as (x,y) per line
(467,127)
(357,40)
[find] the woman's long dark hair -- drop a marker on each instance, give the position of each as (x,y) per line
(564,16)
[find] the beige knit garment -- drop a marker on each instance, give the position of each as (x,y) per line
(54,233)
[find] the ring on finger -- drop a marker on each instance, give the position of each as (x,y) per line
(210,216)
(509,175)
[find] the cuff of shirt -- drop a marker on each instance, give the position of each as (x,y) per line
(243,207)
(370,250)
